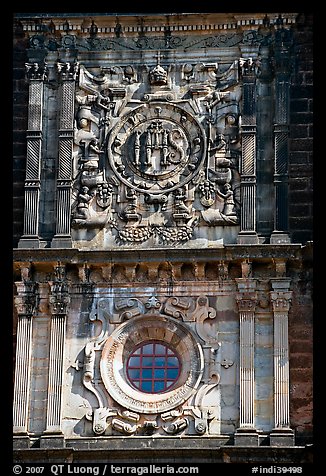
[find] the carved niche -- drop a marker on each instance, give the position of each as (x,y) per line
(156,152)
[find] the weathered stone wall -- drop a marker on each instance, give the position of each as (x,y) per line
(301,338)
(301,134)
(20,116)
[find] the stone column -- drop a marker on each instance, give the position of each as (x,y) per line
(67,73)
(59,300)
(282,435)
(36,75)
(25,303)
(248,232)
(281,137)
(246,298)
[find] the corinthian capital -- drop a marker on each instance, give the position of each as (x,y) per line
(59,298)
(67,70)
(36,71)
(281,301)
(26,300)
(247,301)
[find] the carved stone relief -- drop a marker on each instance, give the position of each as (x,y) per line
(156,152)
(118,325)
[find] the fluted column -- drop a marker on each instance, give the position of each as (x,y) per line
(246,299)
(281,301)
(248,232)
(25,303)
(36,75)
(59,300)
(67,73)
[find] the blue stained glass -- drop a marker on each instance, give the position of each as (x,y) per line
(158,386)
(159,349)
(153,367)
(147,373)
(148,349)
(134,373)
(159,362)
(147,361)
(134,362)
(172,373)
(172,362)
(159,373)
(146,386)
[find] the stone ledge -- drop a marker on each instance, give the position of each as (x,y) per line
(227,252)
(185,452)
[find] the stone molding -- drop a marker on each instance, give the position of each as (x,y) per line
(125,25)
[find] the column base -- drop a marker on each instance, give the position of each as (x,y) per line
(32,242)
(248,238)
(281,437)
(246,437)
(61,242)
(52,441)
(21,442)
(279,238)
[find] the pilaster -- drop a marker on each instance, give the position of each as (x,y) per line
(36,74)
(281,297)
(59,301)
(246,298)
(25,302)
(67,73)
(248,232)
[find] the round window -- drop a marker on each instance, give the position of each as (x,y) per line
(153,367)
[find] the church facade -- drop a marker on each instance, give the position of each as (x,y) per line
(163,237)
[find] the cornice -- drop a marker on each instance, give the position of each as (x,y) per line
(131,24)
(265,253)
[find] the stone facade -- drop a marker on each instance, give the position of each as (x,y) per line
(163,197)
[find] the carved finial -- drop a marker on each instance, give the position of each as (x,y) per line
(59,272)
(93,29)
(280,268)
(51,27)
(266,21)
(246,269)
(153,303)
(66,26)
(158,75)
(117,28)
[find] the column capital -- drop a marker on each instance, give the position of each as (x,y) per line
(36,71)
(247,301)
(59,294)
(281,301)
(68,70)
(248,68)
(26,300)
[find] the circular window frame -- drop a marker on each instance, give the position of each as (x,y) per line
(123,341)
